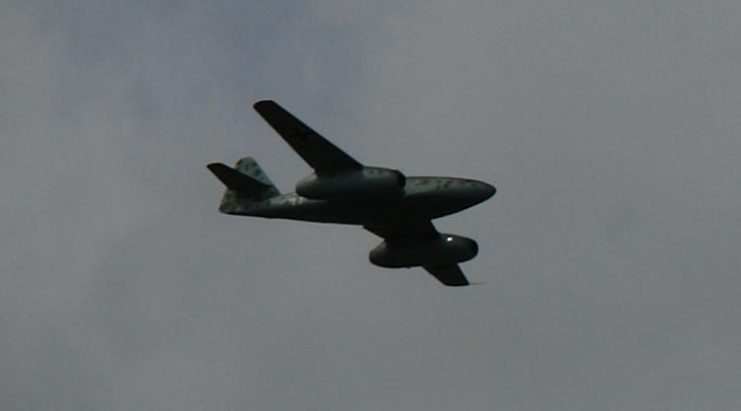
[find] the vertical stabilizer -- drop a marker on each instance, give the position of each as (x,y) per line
(249,167)
(245,184)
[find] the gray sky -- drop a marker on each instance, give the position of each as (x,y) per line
(610,256)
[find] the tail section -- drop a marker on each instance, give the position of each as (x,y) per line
(249,167)
(246,183)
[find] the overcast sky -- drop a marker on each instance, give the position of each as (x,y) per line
(610,257)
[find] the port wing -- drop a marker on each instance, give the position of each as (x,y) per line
(317,151)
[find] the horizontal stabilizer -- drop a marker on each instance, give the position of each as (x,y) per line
(234,180)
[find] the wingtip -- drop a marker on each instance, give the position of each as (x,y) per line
(215,166)
(263,104)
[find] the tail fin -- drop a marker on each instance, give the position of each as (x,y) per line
(249,166)
(246,182)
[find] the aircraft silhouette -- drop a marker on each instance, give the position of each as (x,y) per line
(341,190)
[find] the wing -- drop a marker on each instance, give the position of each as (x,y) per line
(404,232)
(407,232)
(450,275)
(321,155)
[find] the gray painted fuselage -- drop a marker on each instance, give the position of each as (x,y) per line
(422,197)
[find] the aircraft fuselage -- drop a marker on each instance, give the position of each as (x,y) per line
(422,197)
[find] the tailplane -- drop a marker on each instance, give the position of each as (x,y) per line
(245,183)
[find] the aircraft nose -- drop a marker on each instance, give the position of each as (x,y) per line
(486,190)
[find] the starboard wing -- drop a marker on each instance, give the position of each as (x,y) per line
(450,275)
(317,151)
(407,232)
(404,231)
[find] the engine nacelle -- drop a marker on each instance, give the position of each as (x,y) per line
(448,249)
(363,183)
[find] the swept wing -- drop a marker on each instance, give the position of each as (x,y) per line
(406,233)
(317,151)
(450,275)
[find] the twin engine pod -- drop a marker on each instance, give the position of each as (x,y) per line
(363,183)
(448,249)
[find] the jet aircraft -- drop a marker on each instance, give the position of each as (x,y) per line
(397,208)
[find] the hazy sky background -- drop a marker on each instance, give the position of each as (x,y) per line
(610,256)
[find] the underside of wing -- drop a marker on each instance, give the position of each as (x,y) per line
(405,231)
(418,243)
(450,275)
(318,152)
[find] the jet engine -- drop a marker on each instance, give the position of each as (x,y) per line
(363,183)
(448,249)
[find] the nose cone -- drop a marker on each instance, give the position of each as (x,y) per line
(478,192)
(485,190)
